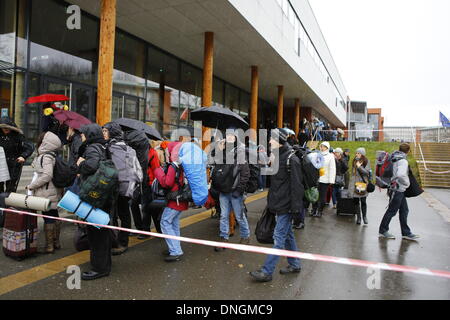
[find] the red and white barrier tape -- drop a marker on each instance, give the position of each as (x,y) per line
(264,250)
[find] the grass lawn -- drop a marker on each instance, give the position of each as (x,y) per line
(371,151)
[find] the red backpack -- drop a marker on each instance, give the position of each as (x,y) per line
(384,170)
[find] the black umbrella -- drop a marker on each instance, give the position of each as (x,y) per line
(152,133)
(219,118)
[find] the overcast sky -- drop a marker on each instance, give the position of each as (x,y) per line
(394,54)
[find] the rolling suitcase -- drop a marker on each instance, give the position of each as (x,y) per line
(20,235)
(345,205)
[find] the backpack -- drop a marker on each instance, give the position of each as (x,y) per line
(100,189)
(158,193)
(223,177)
(384,170)
(128,167)
(184,192)
(64,175)
(255,171)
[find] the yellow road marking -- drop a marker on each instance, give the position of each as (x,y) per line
(27,277)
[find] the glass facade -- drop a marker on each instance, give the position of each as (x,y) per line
(148,83)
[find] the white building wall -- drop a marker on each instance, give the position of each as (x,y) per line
(267,17)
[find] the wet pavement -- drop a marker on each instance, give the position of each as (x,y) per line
(203,274)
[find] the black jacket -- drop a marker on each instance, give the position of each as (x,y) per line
(341,167)
(286,190)
(236,175)
(75,144)
(139,142)
(94,150)
(14,145)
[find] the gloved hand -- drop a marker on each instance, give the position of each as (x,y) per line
(236,194)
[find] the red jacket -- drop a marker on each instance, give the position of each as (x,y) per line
(168,181)
(152,165)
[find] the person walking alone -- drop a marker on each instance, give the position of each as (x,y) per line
(399,184)
(360,175)
(285,201)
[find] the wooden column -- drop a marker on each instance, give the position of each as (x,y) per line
(297,117)
(254,104)
(106,60)
(280,106)
(208,67)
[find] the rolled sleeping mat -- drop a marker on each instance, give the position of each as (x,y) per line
(22,201)
(72,203)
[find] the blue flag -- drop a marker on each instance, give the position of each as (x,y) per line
(444,120)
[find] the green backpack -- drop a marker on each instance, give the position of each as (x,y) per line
(312,195)
(101,188)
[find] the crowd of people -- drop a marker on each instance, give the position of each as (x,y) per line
(230,181)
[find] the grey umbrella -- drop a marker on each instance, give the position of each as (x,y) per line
(152,133)
(219,118)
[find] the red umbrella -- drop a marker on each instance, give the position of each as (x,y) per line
(71,119)
(47,98)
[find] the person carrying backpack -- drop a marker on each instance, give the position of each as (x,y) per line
(100,240)
(170,220)
(285,201)
(141,144)
(400,182)
(230,179)
(130,177)
(42,186)
(156,157)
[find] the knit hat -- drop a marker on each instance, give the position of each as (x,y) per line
(338,150)
(362,151)
(280,134)
(326,144)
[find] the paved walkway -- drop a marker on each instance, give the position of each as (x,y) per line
(141,273)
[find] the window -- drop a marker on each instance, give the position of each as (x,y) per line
(57,51)
(232,97)
(7,33)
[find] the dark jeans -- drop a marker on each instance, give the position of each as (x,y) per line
(323,189)
(261,181)
(362,208)
(100,244)
(336,196)
(8,186)
(123,213)
(149,214)
(51,213)
(398,203)
(137,215)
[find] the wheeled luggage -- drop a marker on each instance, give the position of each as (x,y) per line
(345,204)
(20,235)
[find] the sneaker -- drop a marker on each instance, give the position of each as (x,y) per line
(261,190)
(144,237)
(173,258)
(118,251)
(334,207)
(260,276)
(245,241)
(290,269)
(301,225)
(411,237)
(220,249)
(386,235)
